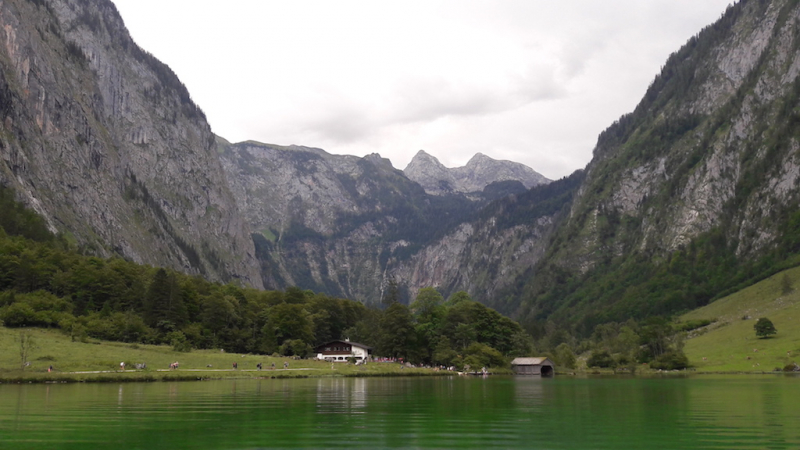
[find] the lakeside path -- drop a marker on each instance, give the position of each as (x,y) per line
(188,370)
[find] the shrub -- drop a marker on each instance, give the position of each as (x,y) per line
(694,324)
(178,342)
(670,361)
(478,355)
(295,347)
(19,315)
(601,359)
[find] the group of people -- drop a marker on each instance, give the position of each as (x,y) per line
(260,366)
(174,365)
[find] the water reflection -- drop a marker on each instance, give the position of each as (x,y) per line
(341,395)
(459,412)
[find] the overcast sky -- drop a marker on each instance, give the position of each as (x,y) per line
(531,81)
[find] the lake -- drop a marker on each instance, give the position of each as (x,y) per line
(702,412)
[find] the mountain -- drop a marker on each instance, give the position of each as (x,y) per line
(693,194)
(480,172)
(104,142)
(330,222)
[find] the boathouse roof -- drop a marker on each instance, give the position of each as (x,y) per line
(530,361)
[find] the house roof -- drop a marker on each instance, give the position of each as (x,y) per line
(342,341)
(535,361)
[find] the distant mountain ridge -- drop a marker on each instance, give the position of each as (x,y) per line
(478,173)
(339,223)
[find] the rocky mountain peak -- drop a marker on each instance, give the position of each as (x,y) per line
(480,171)
(477,159)
(432,175)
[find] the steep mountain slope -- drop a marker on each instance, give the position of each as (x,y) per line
(493,250)
(333,223)
(480,171)
(694,192)
(105,143)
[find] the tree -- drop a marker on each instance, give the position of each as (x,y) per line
(457,298)
(444,354)
(26,345)
(163,304)
(764,328)
(601,359)
(290,321)
(392,292)
(397,331)
(786,284)
(565,356)
(428,307)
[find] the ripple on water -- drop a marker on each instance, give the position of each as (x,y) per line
(561,413)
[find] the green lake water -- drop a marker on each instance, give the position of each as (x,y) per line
(698,412)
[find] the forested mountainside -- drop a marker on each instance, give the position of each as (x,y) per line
(104,142)
(693,193)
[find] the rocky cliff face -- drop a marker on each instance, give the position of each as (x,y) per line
(349,225)
(709,155)
(492,251)
(712,143)
(322,221)
(480,172)
(105,143)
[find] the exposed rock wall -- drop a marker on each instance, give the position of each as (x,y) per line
(348,225)
(104,141)
(711,146)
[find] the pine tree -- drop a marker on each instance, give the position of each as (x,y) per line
(163,304)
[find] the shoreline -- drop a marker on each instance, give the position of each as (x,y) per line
(166,375)
(200,375)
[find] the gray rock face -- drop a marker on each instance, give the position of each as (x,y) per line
(342,225)
(322,221)
(104,142)
(479,172)
(724,157)
(432,175)
(280,189)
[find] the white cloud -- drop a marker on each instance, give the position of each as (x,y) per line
(527,80)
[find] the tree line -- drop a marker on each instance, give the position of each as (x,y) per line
(47,282)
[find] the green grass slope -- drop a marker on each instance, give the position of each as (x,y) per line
(99,361)
(730,343)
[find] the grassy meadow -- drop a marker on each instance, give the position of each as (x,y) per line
(730,343)
(99,361)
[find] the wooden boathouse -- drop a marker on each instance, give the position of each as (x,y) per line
(533,366)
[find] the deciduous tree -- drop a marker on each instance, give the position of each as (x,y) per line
(764,328)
